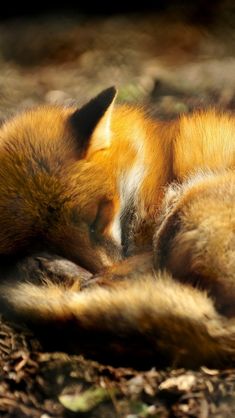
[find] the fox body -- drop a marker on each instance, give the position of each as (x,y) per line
(96,183)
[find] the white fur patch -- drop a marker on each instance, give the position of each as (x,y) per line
(128,189)
(130,183)
(115,230)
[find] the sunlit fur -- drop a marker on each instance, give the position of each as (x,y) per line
(73,200)
(205,140)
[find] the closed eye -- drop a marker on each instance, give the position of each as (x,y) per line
(103,218)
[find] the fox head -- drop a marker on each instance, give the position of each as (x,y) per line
(57,187)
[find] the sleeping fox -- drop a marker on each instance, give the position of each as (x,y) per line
(145,205)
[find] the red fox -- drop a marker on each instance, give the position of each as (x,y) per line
(103,182)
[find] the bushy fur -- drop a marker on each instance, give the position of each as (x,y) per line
(89,183)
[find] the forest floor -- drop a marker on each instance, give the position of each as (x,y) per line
(170,66)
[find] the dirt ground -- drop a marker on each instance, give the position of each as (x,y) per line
(170,65)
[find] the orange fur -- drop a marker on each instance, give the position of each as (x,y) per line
(205,141)
(91,183)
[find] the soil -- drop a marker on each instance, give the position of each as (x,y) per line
(170,65)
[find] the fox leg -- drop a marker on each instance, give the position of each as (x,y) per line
(40,267)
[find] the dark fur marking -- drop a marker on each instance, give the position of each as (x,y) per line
(127,222)
(84,120)
(164,239)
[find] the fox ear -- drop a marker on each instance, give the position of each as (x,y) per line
(91,123)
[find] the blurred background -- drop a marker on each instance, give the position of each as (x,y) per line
(172,56)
